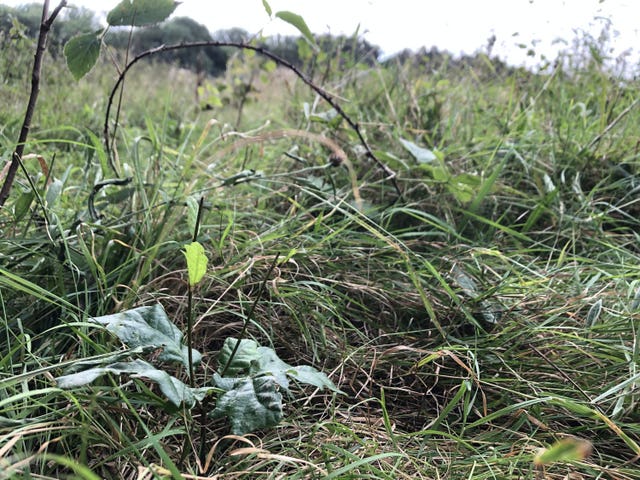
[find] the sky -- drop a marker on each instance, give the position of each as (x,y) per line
(459,26)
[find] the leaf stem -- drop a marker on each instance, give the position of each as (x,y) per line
(250,314)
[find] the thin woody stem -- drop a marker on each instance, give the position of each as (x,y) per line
(391,175)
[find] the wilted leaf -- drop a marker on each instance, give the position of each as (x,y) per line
(422,155)
(81,53)
(252,404)
(149,327)
(172,388)
(138,13)
(635,303)
(196,262)
(298,22)
(175,391)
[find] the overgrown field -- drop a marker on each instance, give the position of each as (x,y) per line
(479,311)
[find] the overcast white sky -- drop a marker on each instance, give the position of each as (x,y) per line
(454,25)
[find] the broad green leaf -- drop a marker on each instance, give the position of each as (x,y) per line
(104,359)
(298,22)
(176,392)
(252,404)
(137,13)
(268,363)
(267,7)
(196,262)
(438,172)
(253,360)
(149,327)
(256,374)
(172,388)
(422,155)
(565,450)
(81,53)
(246,353)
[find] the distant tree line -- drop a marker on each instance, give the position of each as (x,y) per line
(338,51)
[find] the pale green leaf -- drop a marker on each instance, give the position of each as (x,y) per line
(196,262)
(422,155)
(298,22)
(81,54)
(192,212)
(267,7)
(138,13)
(53,192)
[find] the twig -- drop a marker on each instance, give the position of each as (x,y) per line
(391,175)
(45,26)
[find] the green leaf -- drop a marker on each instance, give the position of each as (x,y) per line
(298,22)
(81,53)
(241,363)
(251,404)
(267,7)
(311,376)
(252,399)
(464,186)
(422,155)
(22,204)
(149,327)
(137,13)
(192,212)
(176,392)
(196,262)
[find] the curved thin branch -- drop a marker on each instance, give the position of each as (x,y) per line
(391,175)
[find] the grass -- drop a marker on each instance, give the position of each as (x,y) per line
(489,313)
